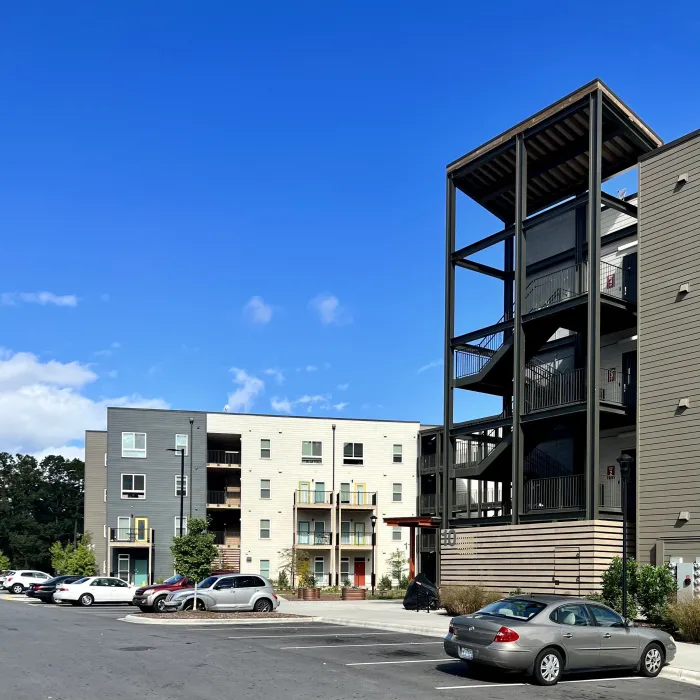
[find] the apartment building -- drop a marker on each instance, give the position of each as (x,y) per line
(268,484)
(594,355)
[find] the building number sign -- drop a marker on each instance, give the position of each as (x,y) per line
(448,538)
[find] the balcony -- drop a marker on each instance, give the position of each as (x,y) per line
(225,538)
(556,493)
(481,502)
(228,498)
(358,500)
(356,540)
(428,542)
(131,537)
(427,464)
(428,504)
(611,495)
(314,539)
(485,456)
(313,499)
(227,459)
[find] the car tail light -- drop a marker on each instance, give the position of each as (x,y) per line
(62,589)
(9,579)
(505,634)
(274,595)
(452,629)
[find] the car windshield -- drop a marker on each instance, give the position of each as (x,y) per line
(174,579)
(208,582)
(80,580)
(516,609)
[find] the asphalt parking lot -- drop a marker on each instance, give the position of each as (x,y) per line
(66,653)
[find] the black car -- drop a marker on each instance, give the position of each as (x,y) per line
(44,591)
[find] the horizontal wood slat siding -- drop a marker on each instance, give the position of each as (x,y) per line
(533,557)
(668,451)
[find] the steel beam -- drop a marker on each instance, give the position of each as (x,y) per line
(484,243)
(483,269)
(481,333)
(450,225)
(595,132)
(518,332)
(619,205)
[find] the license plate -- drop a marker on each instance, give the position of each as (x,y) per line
(465,653)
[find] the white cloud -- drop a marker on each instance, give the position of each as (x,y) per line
(276,373)
(330,310)
(248,388)
(430,365)
(108,351)
(67,451)
(41,298)
(340,406)
(281,405)
(42,406)
(258,311)
(316,398)
(285,405)
(343,387)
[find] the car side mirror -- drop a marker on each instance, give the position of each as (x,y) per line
(629,623)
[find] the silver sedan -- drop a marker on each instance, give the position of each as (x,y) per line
(547,636)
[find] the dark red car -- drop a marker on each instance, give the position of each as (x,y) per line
(151,598)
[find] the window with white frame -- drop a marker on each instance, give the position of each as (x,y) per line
(353,453)
(264,488)
(105,459)
(134,445)
(181,443)
(264,569)
(123,528)
(398,454)
(319,574)
(311,452)
(397,493)
(344,570)
(177,486)
(396,534)
(264,529)
(345,493)
(134,486)
(265,449)
(177,525)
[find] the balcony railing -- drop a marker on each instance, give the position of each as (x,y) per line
(546,387)
(489,500)
(125,534)
(230,457)
(611,494)
(555,493)
(428,542)
(226,538)
(475,356)
(357,539)
(613,388)
(555,287)
(314,538)
(428,503)
(617,282)
(224,498)
(427,464)
(471,451)
(314,498)
(358,498)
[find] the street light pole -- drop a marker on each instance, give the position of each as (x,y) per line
(181,450)
(190,447)
(625,461)
(373,520)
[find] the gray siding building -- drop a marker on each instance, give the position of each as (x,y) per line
(95,493)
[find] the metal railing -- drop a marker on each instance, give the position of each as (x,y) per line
(428,503)
(126,534)
(474,357)
(223,457)
(357,539)
(427,464)
(617,282)
(314,538)
(471,451)
(428,542)
(539,465)
(610,388)
(555,287)
(611,494)
(490,499)
(313,498)
(555,493)
(546,388)
(224,498)
(222,537)
(358,498)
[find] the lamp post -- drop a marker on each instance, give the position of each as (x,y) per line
(625,461)
(181,450)
(190,447)
(373,520)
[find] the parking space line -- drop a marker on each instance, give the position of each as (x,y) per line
(413,661)
(564,682)
(378,644)
(605,680)
(327,634)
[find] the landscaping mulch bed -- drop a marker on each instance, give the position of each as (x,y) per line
(205,615)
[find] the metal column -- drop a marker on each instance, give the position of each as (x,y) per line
(518,334)
(593,340)
(450,222)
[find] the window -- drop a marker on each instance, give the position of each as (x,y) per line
(177,486)
(311,452)
(345,537)
(514,609)
(265,568)
(177,525)
(352,453)
(181,443)
(264,529)
(318,571)
(264,449)
(249,582)
(344,570)
(345,493)
(320,492)
(572,615)
(224,583)
(396,534)
(123,528)
(105,459)
(398,454)
(264,488)
(134,445)
(397,493)
(105,496)
(605,617)
(133,486)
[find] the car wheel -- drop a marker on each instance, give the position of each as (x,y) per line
(46,600)
(548,667)
(190,603)
(144,608)
(263,605)
(652,661)
(159,604)
(86,600)
(16,588)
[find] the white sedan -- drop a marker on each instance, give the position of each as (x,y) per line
(95,589)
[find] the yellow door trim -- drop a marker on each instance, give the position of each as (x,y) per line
(141,536)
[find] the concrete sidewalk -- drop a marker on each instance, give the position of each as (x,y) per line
(390,615)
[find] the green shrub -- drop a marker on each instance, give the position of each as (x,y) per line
(346,583)
(385,583)
(517,591)
(656,588)
(686,618)
(612,586)
(403,582)
(283,581)
(463,600)
(596,598)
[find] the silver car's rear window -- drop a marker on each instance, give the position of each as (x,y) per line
(513,609)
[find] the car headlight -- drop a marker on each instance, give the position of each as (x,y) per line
(148,591)
(673,641)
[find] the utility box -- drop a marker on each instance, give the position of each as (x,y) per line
(685,576)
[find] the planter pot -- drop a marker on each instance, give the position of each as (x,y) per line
(354,594)
(309,594)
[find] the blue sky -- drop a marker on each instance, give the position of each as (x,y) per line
(215,203)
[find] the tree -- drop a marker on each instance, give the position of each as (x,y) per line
(397,562)
(60,557)
(655,587)
(194,552)
(4,561)
(82,561)
(612,586)
(296,564)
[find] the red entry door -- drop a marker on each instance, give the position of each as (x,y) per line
(359,572)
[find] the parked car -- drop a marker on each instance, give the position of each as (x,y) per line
(95,589)
(44,591)
(226,593)
(20,580)
(548,636)
(149,598)
(3,576)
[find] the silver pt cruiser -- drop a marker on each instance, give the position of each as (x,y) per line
(547,636)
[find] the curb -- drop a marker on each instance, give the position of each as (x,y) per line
(389,627)
(680,674)
(139,620)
